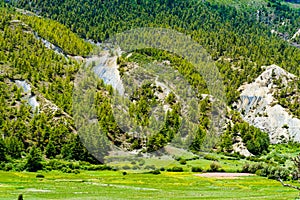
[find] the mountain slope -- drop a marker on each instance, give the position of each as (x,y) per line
(36,89)
(237,37)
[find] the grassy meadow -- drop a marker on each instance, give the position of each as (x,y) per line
(138,183)
(115,185)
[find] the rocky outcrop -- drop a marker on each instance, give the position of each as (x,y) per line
(296,34)
(31,99)
(107,69)
(240,147)
(260,109)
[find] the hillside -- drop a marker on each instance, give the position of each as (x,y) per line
(40,58)
(36,107)
(139,99)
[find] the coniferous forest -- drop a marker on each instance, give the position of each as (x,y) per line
(43,45)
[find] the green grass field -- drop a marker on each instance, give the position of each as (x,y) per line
(114,185)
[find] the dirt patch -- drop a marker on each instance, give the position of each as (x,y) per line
(224,175)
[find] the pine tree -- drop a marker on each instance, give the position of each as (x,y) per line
(33,160)
(2,150)
(51,151)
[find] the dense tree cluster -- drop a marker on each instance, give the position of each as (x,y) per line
(226,32)
(239,40)
(50,132)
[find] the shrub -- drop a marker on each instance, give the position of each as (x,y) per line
(141,162)
(156,172)
(259,172)
(182,161)
(150,167)
(39,176)
(175,169)
(115,168)
(253,168)
(99,167)
(232,158)
(124,173)
(66,170)
(197,169)
(210,157)
(162,169)
(245,168)
(20,166)
(126,167)
(56,164)
(135,167)
(8,167)
(214,167)
(269,171)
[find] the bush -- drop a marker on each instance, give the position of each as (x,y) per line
(269,171)
(141,162)
(133,162)
(126,167)
(259,172)
(175,169)
(282,173)
(8,167)
(39,176)
(135,167)
(162,169)
(20,166)
(99,167)
(115,169)
(246,168)
(253,168)
(66,170)
(56,164)
(150,167)
(197,169)
(232,158)
(182,161)
(214,167)
(156,172)
(210,157)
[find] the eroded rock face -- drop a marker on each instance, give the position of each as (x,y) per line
(31,99)
(260,109)
(107,70)
(240,147)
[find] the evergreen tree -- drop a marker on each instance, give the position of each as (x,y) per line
(197,143)
(51,150)
(14,147)
(2,151)
(33,160)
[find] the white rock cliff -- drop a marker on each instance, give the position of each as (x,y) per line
(260,109)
